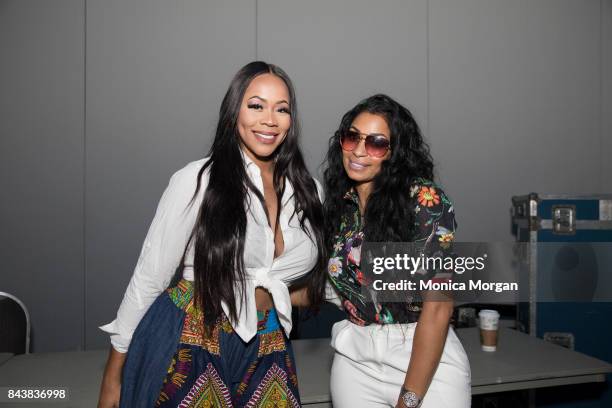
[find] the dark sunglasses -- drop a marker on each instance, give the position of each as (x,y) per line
(375,145)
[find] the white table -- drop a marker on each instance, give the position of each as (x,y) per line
(5,357)
(526,362)
(521,362)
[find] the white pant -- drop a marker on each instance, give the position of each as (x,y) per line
(370,367)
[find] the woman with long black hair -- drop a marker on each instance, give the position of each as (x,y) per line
(379,188)
(241,225)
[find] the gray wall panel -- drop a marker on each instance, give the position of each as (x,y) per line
(41,163)
(514,103)
(156,74)
(342,51)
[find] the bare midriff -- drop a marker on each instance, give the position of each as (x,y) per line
(263,299)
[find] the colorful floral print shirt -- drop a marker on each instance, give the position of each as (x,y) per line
(435,221)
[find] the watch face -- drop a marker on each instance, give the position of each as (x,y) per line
(410,399)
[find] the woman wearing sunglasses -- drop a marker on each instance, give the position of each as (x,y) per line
(240,227)
(379,188)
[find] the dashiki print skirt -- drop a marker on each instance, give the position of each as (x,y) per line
(171,363)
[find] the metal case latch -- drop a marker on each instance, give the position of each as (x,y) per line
(564,219)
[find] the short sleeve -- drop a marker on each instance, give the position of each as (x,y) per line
(435,223)
(160,255)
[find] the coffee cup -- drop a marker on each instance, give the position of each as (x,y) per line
(488,323)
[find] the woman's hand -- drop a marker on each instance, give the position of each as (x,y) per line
(110,390)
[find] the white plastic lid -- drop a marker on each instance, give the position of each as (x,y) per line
(489,312)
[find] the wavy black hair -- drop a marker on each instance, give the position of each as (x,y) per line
(220,228)
(389,213)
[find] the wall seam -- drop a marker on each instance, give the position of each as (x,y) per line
(256,29)
(427,69)
(602,156)
(84,326)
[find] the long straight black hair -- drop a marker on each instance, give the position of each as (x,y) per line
(220,228)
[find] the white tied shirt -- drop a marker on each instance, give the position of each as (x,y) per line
(169,232)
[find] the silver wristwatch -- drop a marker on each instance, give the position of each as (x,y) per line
(410,399)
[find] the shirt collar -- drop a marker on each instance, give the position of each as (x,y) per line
(253,170)
(351,195)
(249,164)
